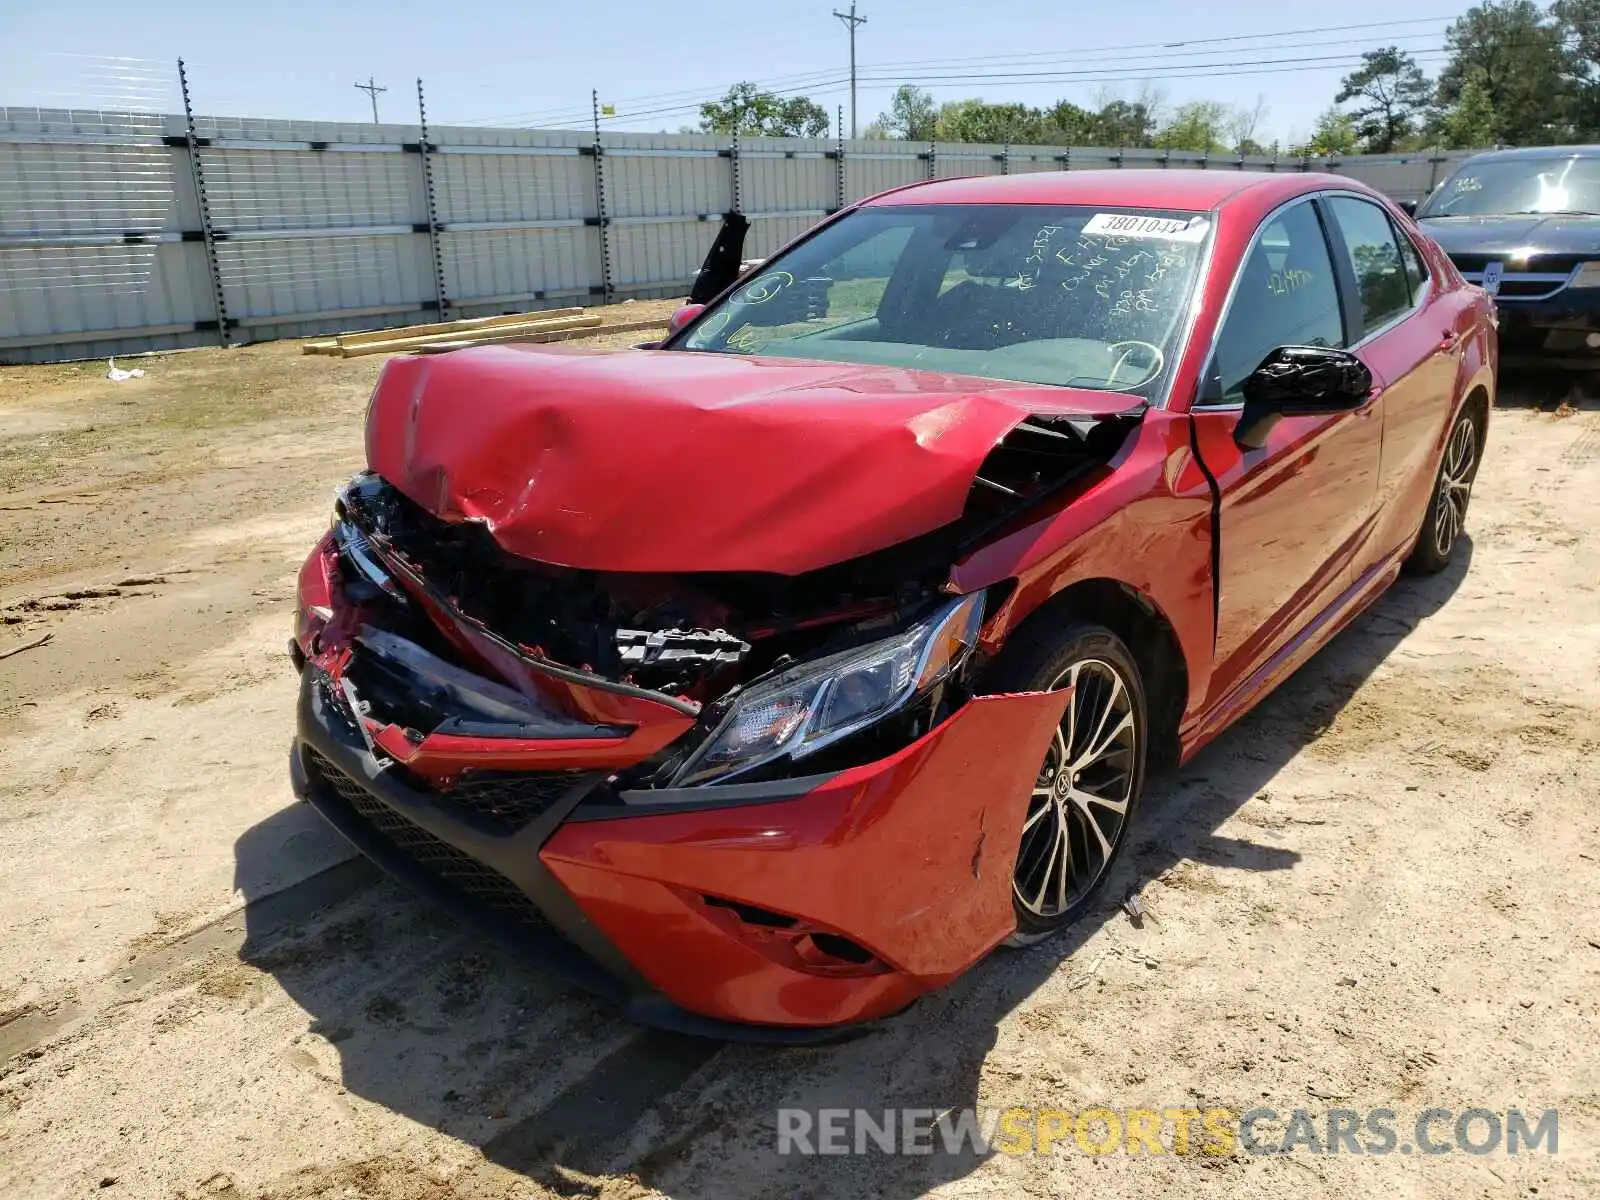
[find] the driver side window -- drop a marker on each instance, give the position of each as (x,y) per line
(1286,296)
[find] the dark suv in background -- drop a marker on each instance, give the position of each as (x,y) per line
(1525,226)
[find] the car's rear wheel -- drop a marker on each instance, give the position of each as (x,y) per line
(1452,490)
(1089,784)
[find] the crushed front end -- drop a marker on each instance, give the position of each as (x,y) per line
(737,803)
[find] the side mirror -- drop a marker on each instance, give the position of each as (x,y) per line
(1409,207)
(1299,381)
(683,316)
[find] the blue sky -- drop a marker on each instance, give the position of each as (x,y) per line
(498,62)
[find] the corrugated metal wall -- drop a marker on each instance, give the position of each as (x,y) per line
(320,226)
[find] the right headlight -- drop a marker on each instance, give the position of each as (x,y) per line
(798,712)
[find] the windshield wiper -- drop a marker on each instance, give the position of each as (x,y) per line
(1553,212)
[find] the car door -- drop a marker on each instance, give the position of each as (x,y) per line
(1292,513)
(1408,339)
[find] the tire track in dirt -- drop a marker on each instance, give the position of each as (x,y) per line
(37,609)
(59,1016)
(1587,447)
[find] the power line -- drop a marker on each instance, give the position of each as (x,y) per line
(1212,71)
(691,107)
(1234,37)
(1208,71)
(803,79)
(851,21)
(372,90)
(1064,76)
(793,84)
(1164,56)
(662,103)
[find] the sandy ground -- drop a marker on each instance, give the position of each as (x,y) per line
(1381,889)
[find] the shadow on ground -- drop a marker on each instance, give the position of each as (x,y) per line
(1548,389)
(455,1035)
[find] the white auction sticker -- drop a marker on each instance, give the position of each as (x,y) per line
(1165,229)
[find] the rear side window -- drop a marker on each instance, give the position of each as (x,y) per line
(1286,296)
(1369,239)
(1416,270)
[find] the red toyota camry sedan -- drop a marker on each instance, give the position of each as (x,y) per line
(768,679)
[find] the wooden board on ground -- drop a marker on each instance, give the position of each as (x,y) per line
(333,345)
(600,330)
(558,335)
(498,333)
(462,325)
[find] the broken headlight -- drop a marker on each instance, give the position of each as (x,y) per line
(814,704)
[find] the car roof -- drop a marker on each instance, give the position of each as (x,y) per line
(1183,189)
(1532,152)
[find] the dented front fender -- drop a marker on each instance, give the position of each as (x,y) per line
(909,857)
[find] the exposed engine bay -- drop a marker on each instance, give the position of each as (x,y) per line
(458,636)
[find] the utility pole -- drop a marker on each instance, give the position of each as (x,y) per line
(850,22)
(372,89)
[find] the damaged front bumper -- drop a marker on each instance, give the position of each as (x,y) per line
(786,911)
(792,908)
(1561,332)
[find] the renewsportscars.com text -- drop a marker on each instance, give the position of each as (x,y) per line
(1177,1130)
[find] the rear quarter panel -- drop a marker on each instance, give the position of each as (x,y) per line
(1477,369)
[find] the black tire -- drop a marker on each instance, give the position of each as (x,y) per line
(1041,657)
(1446,515)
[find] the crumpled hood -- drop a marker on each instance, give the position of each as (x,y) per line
(670,461)
(1502,235)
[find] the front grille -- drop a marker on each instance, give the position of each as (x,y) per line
(1514,287)
(1537,277)
(510,802)
(1522,285)
(1535,264)
(454,869)
(1472,263)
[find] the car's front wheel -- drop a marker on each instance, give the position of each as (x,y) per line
(1088,786)
(1452,489)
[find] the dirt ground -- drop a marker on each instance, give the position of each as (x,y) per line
(1381,889)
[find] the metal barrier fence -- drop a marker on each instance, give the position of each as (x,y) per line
(142,228)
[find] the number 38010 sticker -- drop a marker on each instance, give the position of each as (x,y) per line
(1164,229)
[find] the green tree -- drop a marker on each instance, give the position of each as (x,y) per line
(979,121)
(1333,134)
(1065,124)
(1470,123)
(1197,125)
(1124,123)
(1517,56)
(801,116)
(1391,92)
(1579,22)
(912,114)
(748,109)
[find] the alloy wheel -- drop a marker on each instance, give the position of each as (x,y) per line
(1455,486)
(1080,802)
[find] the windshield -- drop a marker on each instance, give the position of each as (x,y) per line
(1055,294)
(1526,185)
